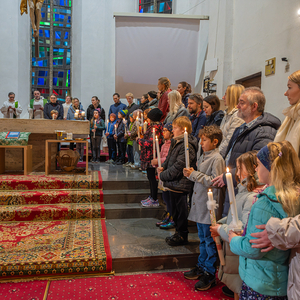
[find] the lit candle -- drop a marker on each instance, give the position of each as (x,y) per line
(115,129)
(145,127)
(94,128)
(186,148)
(76,115)
(233,209)
(211,206)
(124,122)
(142,119)
(77,111)
(137,122)
(158,152)
(153,137)
(53,117)
(82,113)
(107,124)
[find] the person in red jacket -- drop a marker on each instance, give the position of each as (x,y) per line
(162,95)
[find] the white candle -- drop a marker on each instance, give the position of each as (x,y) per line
(107,124)
(142,120)
(158,152)
(232,201)
(153,137)
(52,116)
(210,195)
(82,113)
(115,129)
(124,122)
(76,115)
(77,111)
(145,126)
(94,129)
(186,148)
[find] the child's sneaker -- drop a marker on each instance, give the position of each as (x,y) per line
(168,225)
(146,200)
(206,281)
(151,203)
(164,221)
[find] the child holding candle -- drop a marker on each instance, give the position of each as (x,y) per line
(265,274)
(210,165)
(146,144)
(130,161)
(248,187)
(111,142)
(167,221)
(97,126)
(54,114)
(119,137)
(171,174)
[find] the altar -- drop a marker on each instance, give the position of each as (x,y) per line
(41,130)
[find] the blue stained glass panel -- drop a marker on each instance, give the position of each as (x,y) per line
(40,63)
(66,35)
(43,15)
(40,33)
(57,43)
(41,81)
(61,2)
(47,33)
(142,10)
(54,80)
(42,73)
(57,34)
(62,17)
(65,43)
(61,74)
(68,61)
(56,17)
(161,7)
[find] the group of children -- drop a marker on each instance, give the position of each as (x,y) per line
(263,192)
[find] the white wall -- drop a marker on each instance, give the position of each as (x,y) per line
(93,49)
(15,54)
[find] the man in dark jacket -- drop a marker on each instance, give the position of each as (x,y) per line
(131,105)
(171,174)
(198,116)
(95,104)
(53,105)
(258,130)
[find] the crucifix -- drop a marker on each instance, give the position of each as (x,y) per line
(35,7)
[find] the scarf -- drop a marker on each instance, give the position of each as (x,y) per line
(289,129)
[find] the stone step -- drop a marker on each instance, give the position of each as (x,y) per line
(132,210)
(126,196)
(125,184)
(138,245)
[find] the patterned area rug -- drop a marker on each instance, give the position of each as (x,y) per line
(39,181)
(169,285)
(50,197)
(40,249)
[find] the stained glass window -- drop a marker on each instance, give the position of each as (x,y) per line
(62,20)
(162,6)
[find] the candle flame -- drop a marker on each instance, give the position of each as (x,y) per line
(209,190)
(156,136)
(184,128)
(227,170)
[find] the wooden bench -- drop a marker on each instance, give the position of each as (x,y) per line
(26,155)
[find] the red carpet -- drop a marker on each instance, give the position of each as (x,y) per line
(39,181)
(167,286)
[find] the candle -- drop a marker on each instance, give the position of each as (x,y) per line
(142,120)
(82,113)
(145,126)
(115,129)
(76,115)
(124,122)
(77,111)
(94,128)
(186,148)
(233,209)
(211,206)
(53,117)
(107,124)
(138,129)
(158,152)
(153,137)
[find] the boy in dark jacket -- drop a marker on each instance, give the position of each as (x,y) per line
(111,143)
(119,137)
(178,186)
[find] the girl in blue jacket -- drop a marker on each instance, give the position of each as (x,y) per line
(265,274)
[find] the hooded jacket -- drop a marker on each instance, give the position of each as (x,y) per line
(264,272)
(172,176)
(90,112)
(215,118)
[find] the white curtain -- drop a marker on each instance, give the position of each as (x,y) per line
(150,48)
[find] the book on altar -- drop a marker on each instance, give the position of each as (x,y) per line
(37,106)
(13,135)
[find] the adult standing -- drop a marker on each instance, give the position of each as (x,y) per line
(290,128)
(185,90)
(231,119)
(259,128)
(76,105)
(211,106)
(11,108)
(36,106)
(95,105)
(66,105)
(53,105)
(118,106)
(144,102)
(197,115)
(131,105)
(164,89)
(152,99)
(177,108)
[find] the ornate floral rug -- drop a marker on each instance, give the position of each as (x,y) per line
(38,249)
(50,197)
(39,181)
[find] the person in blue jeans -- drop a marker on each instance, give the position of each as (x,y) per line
(210,165)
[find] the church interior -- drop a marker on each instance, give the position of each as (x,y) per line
(72,223)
